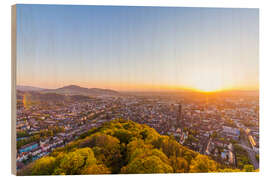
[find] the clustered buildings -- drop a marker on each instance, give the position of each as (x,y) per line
(210,127)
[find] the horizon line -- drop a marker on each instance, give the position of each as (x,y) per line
(153,90)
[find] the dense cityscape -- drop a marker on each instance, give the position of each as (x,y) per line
(222,125)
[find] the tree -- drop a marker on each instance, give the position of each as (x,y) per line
(137,146)
(44,166)
(248,168)
(179,164)
(106,148)
(123,135)
(73,162)
(150,164)
(170,147)
(96,169)
(202,164)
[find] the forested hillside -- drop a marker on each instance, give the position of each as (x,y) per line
(121,146)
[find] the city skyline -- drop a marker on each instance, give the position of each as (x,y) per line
(138,48)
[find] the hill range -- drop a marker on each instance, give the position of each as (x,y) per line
(70,90)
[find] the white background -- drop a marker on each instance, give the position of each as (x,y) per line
(5,84)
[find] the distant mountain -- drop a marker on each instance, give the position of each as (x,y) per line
(77,90)
(28,88)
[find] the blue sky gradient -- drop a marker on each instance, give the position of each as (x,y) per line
(137,48)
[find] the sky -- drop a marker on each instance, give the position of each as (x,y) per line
(138,48)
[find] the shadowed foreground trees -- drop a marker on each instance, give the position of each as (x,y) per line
(121,146)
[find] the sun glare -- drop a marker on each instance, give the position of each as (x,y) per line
(208,85)
(208,89)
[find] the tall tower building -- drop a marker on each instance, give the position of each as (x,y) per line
(179,116)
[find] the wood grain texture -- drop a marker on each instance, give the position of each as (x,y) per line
(13,89)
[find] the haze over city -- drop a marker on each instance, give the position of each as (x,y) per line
(138,48)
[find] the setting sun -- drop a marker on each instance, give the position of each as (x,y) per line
(206,80)
(208,86)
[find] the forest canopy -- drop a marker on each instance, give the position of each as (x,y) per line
(123,146)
